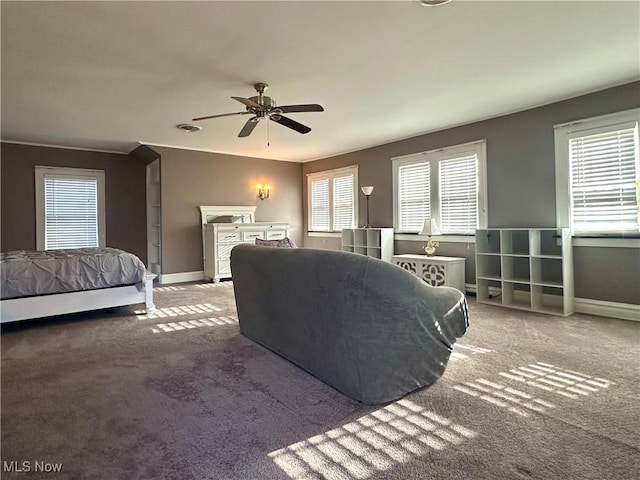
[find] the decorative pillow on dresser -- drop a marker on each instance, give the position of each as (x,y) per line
(285,242)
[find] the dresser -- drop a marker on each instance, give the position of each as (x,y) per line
(220,238)
(436,271)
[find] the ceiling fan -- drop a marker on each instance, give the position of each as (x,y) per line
(265,107)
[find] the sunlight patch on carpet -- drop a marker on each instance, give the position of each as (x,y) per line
(167,312)
(397,433)
(189,324)
(468,350)
(168,289)
(533,378)
(215,285)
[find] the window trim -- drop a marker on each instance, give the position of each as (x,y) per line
(330,175)
(479,148)
(562,134)
(41,171)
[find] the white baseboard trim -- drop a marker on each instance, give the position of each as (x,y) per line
(180,277)
(623,311)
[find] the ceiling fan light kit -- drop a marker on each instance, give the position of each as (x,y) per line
(432,3)
(262,106)
(189,127)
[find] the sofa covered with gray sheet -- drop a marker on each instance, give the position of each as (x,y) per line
(369,329)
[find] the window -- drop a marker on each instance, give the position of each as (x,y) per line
(332,199)
(69,208)
(414,195)
(447,185)
(598,175)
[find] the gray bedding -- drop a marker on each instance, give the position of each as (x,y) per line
(27,273)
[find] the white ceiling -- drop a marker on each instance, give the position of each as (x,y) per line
(110,75)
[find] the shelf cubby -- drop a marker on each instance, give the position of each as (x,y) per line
(516,269)
(488,291)
(514,242)
(489,265)
(373,238)
(360,250)
(548,299)
(516,295)
(347,238)
(547,271)
(546,243)
(360,237)
(488,241)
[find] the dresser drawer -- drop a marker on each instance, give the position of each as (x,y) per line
(224,267)
(230,236)
(251,235)
(224,250)
(275,234)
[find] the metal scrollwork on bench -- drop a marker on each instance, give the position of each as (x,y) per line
(433,274)
(409,266)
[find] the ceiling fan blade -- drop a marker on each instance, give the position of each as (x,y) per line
(312,107)
(218,116)
(287,122)
(246,101)
(248,127)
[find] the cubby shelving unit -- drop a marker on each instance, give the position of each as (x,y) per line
(526,268)
(154,218)
(372,242)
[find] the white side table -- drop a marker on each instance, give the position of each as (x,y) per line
(436,271)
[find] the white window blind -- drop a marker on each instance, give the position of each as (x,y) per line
(448,185)
(414,192)
(343,202)
(70,207)
(459,195)
(604,181)
(71,212)
(332,199)
(320,204)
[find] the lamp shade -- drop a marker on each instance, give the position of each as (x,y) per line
(367,190)
(430,227)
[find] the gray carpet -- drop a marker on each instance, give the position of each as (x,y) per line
(182,395)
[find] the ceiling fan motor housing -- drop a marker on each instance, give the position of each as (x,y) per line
(265,101)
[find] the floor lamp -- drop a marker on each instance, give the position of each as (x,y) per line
(368,190)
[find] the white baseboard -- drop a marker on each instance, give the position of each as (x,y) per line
(623,311)
(180,277)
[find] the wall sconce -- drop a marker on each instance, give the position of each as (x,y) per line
(429,228)
(367,190)
(263,192)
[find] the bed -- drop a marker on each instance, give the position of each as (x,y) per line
(38,284)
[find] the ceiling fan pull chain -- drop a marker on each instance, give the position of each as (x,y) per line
(268,121)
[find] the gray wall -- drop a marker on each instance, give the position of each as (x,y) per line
(124,191)
(191,179)
(521,186)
